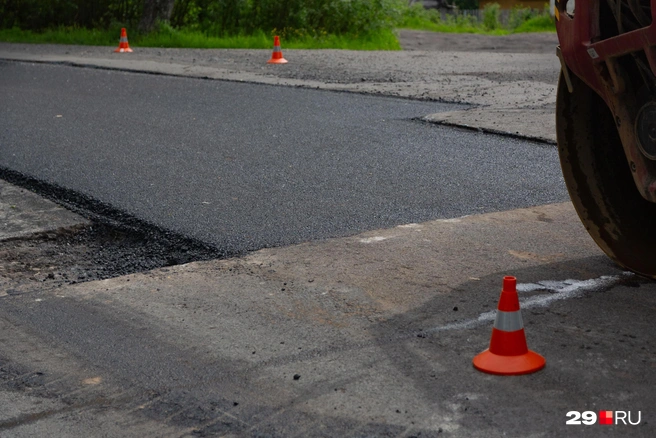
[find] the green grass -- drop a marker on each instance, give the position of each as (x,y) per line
(521,20)
(537,24)
(381,40)
(168,37)
(452,26)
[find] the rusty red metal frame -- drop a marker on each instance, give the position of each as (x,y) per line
(596,63)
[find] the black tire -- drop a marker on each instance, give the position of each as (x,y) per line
(599,181)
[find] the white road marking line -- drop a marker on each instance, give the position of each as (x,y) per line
(559,290)
(373,239)
(566,289)
(413,225)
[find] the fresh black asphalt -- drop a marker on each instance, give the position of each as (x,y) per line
(243,166)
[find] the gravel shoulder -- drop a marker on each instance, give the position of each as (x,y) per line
(538,42)
(509,81)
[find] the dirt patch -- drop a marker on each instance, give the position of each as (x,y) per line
(94,253)
(98,242)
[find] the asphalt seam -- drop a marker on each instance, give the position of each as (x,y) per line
(465,127)
(235,81)
(490,131)
(99,211)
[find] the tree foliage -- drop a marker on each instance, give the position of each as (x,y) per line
(154,11)
(224,17)
(42,14)
(246,16)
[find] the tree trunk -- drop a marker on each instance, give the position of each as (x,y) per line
(154,11)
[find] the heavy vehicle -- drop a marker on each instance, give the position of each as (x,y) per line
(606,123)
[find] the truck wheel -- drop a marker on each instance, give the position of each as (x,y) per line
(599,179)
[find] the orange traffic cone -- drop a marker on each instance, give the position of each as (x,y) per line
(508,353)
(276,57)
(123,45)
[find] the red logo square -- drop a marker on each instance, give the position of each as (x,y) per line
(605,417)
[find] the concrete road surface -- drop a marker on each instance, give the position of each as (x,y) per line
(365,336)
(370,333)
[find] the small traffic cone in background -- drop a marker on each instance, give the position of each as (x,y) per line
(508,353)
(276,57)
(123,45)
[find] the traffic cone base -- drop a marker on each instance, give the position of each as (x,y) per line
(277,61)
(526,363)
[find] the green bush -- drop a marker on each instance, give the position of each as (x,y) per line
(337,17)
(491,13)
(540,23)
(50,14)
(519,15)
(214,17)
